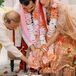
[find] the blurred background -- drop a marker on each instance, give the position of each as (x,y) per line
(13,2)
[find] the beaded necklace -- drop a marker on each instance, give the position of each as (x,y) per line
(31,30)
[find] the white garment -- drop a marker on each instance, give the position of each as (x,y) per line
(3,57)
(4,38)
(3,10)
(17,36)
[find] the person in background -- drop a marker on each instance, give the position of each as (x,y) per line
(10,21)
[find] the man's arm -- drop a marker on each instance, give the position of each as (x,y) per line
(8,44)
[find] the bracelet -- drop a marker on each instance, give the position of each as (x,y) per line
(43,47)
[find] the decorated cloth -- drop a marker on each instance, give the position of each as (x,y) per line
(67,31)
(65,45)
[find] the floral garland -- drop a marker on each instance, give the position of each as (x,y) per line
(30,24)
(53,19)
(51,29)
(34,28)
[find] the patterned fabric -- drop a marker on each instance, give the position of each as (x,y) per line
(65,45)
(66,41)
(38,58)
